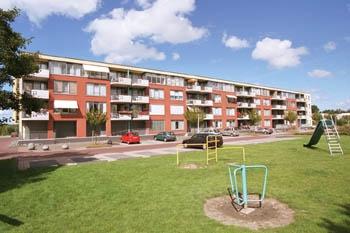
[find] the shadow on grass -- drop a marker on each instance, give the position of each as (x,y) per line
(11,178)
(332,226)
(10,221)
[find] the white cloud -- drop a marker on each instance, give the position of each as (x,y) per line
(175,56)
(278,53)
(330,46)
(37,10)
(317,73)
(144,3)
(234,42)
(130,35)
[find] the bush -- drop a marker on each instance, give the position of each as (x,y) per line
(8,129)
(344,130)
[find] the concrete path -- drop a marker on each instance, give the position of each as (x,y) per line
(129,152)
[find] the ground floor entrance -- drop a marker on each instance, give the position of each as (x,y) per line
(119,127)
(63,129)
(34,130)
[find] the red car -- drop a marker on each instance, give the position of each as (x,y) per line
(130,137)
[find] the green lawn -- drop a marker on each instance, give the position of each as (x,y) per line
(153,195)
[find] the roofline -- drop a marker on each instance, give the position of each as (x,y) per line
(162,72)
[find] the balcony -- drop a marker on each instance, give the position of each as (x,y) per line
(300,99)
(245,93)
(140,82)
(279,107)
(142,117)
(200,102)
(42,73)
(120,81)
(301,108)
(197,88)
(246,105)
(140,99)
(120,98)
(278,97)
(36,116)
(40,94)
(244,117)
(302,117)
(120,117)
(209,117)
(277,117)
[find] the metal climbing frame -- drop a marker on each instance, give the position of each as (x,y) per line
(243,199)
(212,139)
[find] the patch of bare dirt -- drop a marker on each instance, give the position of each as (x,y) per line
(191,166)
(272,214)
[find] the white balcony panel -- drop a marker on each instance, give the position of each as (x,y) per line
(141,118)
(65,104)
(42,73)
(120,98)
(120,81)
(140,99)
(209,117)
(101,69)
(140,82)
(120,117)
(40,94)
(36,116)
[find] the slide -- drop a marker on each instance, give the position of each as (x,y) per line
(316,135)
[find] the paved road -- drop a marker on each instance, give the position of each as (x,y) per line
(39,159)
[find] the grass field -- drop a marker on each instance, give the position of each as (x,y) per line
(153,195)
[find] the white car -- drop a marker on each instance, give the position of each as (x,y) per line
(211,131)
(230,132)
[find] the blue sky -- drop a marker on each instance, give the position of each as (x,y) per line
(301,45)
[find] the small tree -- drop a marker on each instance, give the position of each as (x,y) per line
(254,117)
(194,116)
(290,116)
(96,119)
(14,63)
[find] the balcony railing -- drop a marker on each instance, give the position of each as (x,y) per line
(277,117)
(42,73)
(121,81)
(36,116)
(140,82)
(209,117)
(200,102)
(197,88)
(243,117)
(302,117)
(121,98)
(140,99)
(127,116)
(40,94)
(276,106)
(246,105)
(278,97)
(301,108)
(300,99)
(245,93)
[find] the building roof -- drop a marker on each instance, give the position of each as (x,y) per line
(161,72)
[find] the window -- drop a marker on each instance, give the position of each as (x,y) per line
(177,125)
(95,89)
(156,109)
(257,101)
(65,68)
(217,98)
(267,123)
(156,94)
(217,124)
(266,102)
(230,123)
(65,87)
(175,81)
(96,75)
(267,112)
(230,111)
(217,111)
(34,85)
(157,79)
(176,95)
(176,110)
(96,106)
(158,125)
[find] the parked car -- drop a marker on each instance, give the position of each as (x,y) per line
(211,131)
(165,136)
(263,130)
(201,138)
(130,137)
(230,132)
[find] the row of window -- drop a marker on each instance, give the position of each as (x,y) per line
(67,87)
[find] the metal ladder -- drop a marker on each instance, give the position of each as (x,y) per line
(332,136)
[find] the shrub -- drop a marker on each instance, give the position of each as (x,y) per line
(8,129)
(344,130)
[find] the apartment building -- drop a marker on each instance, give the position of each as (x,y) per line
(145,100)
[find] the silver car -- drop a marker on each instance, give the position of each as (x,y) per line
(230,132)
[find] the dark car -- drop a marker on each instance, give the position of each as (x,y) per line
(165,136)
(263,130)
(200,140)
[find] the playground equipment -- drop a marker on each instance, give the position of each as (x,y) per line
(242,198)
(327,127)
(211,149)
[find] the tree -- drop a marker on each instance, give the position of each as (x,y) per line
(314,109)
(194,116)
(291,116)
(254,117)
(15,64)
(96,119)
